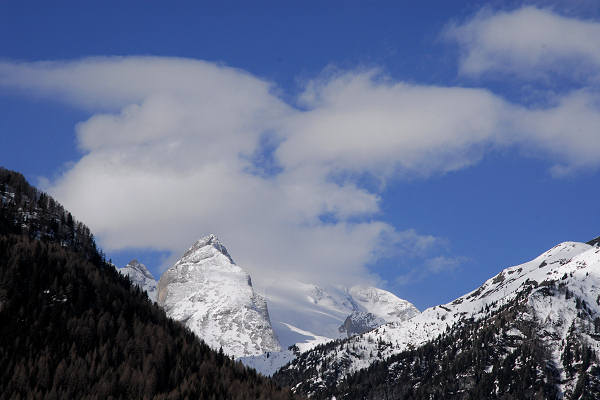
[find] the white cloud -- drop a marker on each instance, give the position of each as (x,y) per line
(570,131)
(528,42)
(363,122)
(168,157)
(175,150)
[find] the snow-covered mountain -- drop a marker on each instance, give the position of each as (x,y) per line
(553,300)
(373,308)
(214,297)
(306,315)
(139,275)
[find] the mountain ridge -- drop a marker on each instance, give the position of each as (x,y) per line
(532,290)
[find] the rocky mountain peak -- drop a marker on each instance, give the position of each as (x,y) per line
(206,247)
(140,276)
(360,322)
(138,266)
(214,297)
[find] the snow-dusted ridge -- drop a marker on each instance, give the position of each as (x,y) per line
(537,286)
(214,297)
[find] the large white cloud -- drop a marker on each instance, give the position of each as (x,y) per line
(361,121)
(528,42)
(178,148)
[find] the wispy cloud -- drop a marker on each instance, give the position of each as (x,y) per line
(430,267)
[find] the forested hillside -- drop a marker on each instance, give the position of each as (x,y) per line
(503,358)
(72,327)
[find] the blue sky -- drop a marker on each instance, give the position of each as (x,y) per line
(420,148)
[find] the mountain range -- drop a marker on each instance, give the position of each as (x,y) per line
(539,320)
(531,330)
(215,298)
(71,326)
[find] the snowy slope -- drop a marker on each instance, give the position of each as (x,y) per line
(139,275)
(214,297)
(560,291)
(302,313)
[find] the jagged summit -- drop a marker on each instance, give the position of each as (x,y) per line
(306,315)
(360,322)
(206,247)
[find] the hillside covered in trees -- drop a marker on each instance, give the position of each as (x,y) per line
(473,361)
(72,327)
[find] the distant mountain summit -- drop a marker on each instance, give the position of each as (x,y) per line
(140,276)
(360,322)
(374,307)
(306,315)
(214,297)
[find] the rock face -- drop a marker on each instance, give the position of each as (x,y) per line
(214,297)
(139,275)
(595,242)
(360,322)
